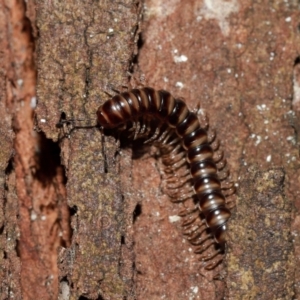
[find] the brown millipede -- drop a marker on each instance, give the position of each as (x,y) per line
(167,122)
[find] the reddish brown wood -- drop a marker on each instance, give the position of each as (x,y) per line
(236,57)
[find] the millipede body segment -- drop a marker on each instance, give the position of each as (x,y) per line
(167,122)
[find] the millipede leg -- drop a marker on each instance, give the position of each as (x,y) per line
(196,237)
(173,156)
(179,164)
(221,164)
(192,231)
(201,244)
(210,256)
(148,128)
(214,263)
(142,128)
(139,82)
(218,155)
(230,204)
(179,184)
(211,135)
(176,166)
(178,192)
(189,216)
(202,117)
(187,211)
(215,145)
(131,129)
(154,136)
(184,177)
(224,174)
(137,130)
(165,136)
(228,188)
(181,197)
(188,220)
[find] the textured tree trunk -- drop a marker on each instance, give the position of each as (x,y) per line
(81,218)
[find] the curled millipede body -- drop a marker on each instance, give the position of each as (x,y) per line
(194,165)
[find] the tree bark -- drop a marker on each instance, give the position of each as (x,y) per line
(84,53)
(81,218)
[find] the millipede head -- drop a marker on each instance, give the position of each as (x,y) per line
(106,118)
(113,112)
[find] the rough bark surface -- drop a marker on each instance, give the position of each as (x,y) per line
(266,231)
(9,263)
(32,178)
(237,59)
(97,224)
(84,52)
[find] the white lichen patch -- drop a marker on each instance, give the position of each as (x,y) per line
(64,293)
(258,140)
(161,8)
(33,216)
(174,219)
(296,87)
(33,102)
(180,58)
(20,82)
(219,10)
(288,19)
(195,289)
(179,84)
(261,107)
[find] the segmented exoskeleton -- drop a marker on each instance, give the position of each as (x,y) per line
(159,118)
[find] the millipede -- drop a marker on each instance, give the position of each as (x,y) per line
(185,145)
